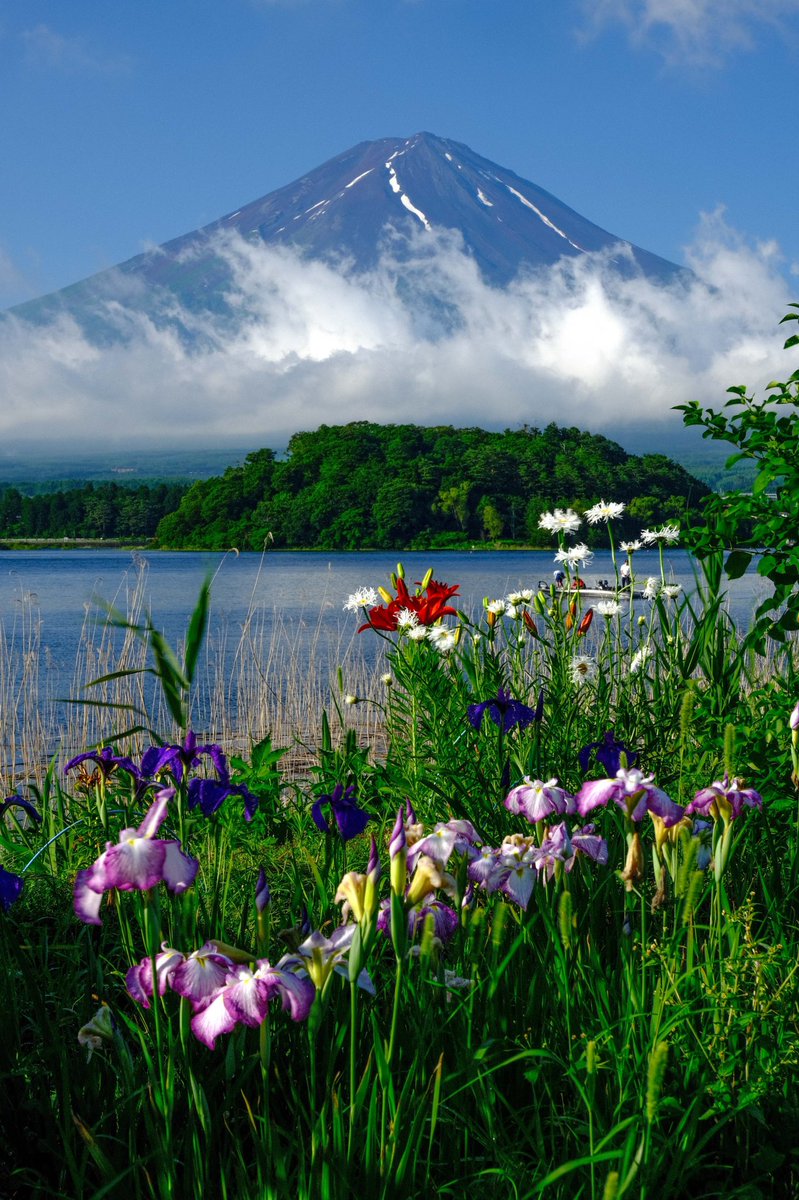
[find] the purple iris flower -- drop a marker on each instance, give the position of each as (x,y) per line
(25,805)
(537,801)
(350,819)
(138,862)
(505,712)
(180,759)
(244,998)
(106,761)
(725,799)
(587,841)
(263,896)
(10,888)
(607,753)
(458,836)
(210,794)
(509,868)
(632,791)
(445,919)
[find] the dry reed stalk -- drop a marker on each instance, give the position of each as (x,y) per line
(267,677)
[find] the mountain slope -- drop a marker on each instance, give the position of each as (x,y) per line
(348,211)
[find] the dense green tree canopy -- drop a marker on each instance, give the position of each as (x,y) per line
(395,486)
(104,510)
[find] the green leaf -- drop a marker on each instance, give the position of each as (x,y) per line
(736,563)
(197,630)
(763,479)
(173,681)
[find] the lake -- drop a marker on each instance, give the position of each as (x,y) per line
(277,623)
(302,586)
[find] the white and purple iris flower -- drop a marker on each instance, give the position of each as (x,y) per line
(448,838)
(724,799)
(244,1000)
(222,992)
(514,867)
(632,791)
(138,862)
(445,919)
(537,801)
(321,956)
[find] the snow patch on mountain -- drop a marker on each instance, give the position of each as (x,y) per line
(358,178)
(416,211)
(542,216)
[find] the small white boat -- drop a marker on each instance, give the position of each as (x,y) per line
(604,592)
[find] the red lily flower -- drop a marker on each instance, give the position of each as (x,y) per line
(427,608)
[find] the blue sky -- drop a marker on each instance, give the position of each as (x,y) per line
(138,120)
(129,123)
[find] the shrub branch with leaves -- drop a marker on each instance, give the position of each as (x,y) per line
(765,521)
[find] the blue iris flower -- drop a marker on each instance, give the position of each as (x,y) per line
(506,712)
(607,753)
(350,819)
(10,888)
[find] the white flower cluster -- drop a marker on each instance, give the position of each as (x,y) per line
(364,597)
(582,669)
(605,510)
(667,533)
(639,658)
(574,555)
(560,521)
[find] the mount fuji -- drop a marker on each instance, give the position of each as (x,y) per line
(380,196)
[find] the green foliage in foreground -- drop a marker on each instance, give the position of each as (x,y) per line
(631,1031)
(765,434)
(364,485)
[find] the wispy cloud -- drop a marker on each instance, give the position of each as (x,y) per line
(694,32)
(46,47)
(574,342)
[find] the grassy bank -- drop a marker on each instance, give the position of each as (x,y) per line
(515,910)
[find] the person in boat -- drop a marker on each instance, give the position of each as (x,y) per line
(624,574)
(559,578)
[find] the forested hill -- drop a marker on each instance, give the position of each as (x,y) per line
(362,485)
(101,510)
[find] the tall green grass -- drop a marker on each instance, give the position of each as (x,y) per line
(625,1033)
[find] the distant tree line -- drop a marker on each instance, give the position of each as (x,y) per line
(104,510)
(406,486)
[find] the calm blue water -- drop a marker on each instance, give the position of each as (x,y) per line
(302,591)
(61,585)
(47,602)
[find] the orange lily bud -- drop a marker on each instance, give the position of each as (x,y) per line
(585,624)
